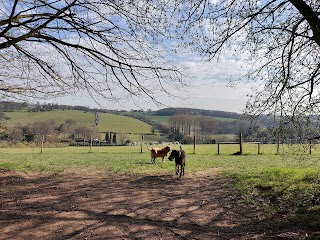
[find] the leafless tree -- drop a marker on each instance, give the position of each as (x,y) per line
(200,126)
(124,48)
(2,118)
(43,129)
(67,127)
(111,49)
(123,137)
(84,133)
(15,133)
(282,41)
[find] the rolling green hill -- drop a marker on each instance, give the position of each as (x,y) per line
(156,116)
(58,116)
(194,111)
(133,124)
(119,123)
(108,122)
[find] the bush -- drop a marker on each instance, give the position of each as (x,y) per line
(187,140)
(4,144)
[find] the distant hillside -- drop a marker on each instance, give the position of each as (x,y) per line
(134,121)
(193,111)
(153,125)
(9,106)
(107,122)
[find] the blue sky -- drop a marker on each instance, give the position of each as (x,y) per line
(208,88)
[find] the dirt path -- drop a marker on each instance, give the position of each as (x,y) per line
(109,206)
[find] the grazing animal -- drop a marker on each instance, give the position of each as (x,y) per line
(159,152)
(179,157)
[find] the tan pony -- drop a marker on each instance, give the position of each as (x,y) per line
(159,152)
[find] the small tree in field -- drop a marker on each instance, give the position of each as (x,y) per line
(15,134)
(82,132)
(123,138)
(107,138)
(2,117)
(43,129)
(114,138)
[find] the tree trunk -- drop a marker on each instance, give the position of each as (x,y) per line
(311,17)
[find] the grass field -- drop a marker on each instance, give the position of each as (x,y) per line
(108,122)
(113,158)
(133,127)
(165,119)
(286,181)
(58,116)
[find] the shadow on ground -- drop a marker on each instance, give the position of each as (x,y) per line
(110,206)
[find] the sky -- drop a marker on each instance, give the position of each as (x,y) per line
(211,88)
(208,83)
(208,88)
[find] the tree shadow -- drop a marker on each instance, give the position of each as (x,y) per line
(132,207)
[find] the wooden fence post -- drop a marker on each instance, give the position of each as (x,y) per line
(90,144)
(218,148)
(42,141)
(240,143)
(142,137)
(194,144)
(310,147)
(278,144)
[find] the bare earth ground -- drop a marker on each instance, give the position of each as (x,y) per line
(112,206)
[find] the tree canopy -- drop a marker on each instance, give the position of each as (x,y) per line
(282,41)
(111,49)
(123,48)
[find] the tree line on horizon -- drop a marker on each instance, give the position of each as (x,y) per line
(7,106)
(203,126)
(132,50)
(180,127)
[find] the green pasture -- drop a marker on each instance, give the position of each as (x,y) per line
(160,119)
(150,116)
(223,119)
(165,119)
(108,122)
(202,157)
(58,116)
(199,158)
(122,124)
(286,182)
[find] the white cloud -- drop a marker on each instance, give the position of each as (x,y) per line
(210,84)
(208,88)
(218,96)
